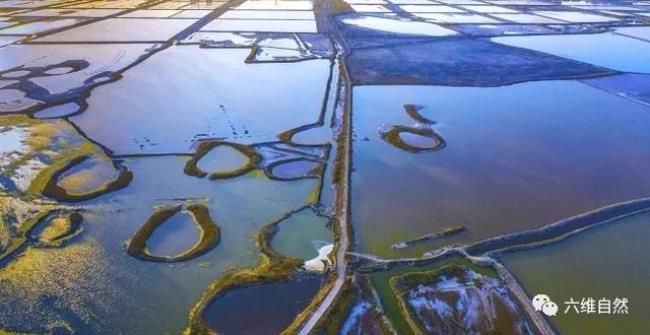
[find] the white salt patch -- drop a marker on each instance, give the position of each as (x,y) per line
(370,8)
(526,18)
(354,316)
(269,14)
(456,18)
(431,9)
(11,144)
(289,26)
(264,4)
(399,26)
(489,9)
(575,17)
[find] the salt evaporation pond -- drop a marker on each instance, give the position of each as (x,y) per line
(226,109)
(516,157)
(397,26)
(182,179)
(122,30)
(610,50)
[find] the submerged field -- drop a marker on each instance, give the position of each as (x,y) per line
(324,167)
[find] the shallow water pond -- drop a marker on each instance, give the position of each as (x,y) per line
(609,50)
(516,157)
(176,235)
(90,175)
(302,234)
(265,309)
(237,101)
(122,30)
(222,158)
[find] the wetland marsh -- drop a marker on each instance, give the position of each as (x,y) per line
(324,166)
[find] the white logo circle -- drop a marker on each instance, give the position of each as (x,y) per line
(539,301)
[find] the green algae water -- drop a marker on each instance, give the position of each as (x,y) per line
(608,261)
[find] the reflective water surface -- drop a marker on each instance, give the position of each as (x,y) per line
(322,167)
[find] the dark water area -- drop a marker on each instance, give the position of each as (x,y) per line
(266,309)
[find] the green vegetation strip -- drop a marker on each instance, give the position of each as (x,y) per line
(414,112)
(392,136)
